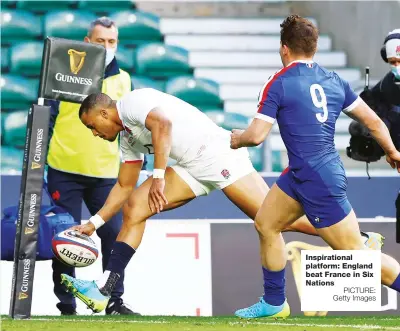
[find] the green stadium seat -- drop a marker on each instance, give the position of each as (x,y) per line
(7,4)
(144,82)
(235,121)
(257,157)
(11,160)
(44,6)
(125,58)
(199,92)
(69,24)
(218,116)
(105,6)
(17,92)
(276,161)
(14,126)
(26,58)
(162,61)
(136,27)
(5,59)
(19,25)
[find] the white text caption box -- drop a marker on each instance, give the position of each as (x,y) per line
(341,280)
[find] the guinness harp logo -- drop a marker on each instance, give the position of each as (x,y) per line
(35,165)
(28,230)
(76,60)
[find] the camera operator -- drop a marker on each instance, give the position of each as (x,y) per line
(384,99)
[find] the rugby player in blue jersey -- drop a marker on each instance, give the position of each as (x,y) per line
(306,100)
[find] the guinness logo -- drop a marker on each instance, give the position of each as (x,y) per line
(35,165)
(76,60)
(22,296)
(28,230)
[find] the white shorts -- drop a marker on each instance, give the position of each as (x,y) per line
(215,170)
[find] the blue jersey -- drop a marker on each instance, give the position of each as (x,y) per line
(306,101)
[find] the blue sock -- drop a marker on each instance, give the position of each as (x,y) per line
(274,287)
(121,254)
(396,284)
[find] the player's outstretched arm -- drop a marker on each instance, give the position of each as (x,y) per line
(161,134)
(254,135)
(379,131)
(127,178)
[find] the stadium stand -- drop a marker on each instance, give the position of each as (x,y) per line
(70,24)
(7,4)
(161,61)
(44,6)
(5,59)
(137,28)
(11,160)
(125,58)
(26,58)
(143,82)
(17,92)
(217,64)
(241,54)
(218,116)
(106,6)
(201,93)
(14,125)
(19,25)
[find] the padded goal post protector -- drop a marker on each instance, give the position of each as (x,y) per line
(71,70)
(29,211)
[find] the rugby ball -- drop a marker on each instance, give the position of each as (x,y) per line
(74,249)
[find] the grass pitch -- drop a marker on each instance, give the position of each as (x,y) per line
(160,323)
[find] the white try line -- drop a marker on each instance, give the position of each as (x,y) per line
(351,326)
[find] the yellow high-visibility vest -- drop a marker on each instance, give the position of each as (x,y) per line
(74,149)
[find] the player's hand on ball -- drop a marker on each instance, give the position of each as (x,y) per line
(157,199)
(235,138)
(87,228)
(394,160)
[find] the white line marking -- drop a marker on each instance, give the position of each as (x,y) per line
(351,326)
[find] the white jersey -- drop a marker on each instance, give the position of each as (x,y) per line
(192,131)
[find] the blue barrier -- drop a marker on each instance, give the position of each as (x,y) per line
(370,198)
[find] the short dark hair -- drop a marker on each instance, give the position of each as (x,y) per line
(93,101)
(300,35)
(103,21)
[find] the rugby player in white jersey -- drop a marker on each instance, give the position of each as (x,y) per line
(152,122)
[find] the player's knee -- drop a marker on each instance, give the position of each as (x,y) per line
(263,227)
(258,224)
(132,213)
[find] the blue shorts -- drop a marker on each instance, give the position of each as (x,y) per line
(323,195)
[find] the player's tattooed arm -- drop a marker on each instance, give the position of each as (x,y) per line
(254,135)
(161,132)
